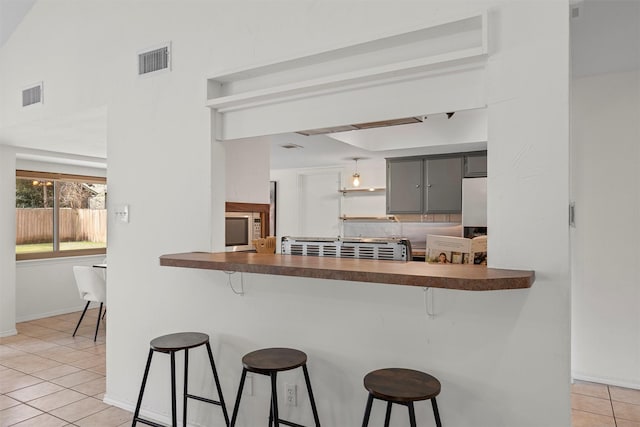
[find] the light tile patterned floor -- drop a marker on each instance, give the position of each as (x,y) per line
(600,405)
(50,379)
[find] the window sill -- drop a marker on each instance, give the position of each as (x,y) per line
(60,254)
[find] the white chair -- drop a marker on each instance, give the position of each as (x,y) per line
(92,288)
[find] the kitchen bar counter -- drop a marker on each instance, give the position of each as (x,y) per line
(462,277)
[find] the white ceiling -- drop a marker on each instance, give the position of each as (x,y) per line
(434,135)
(605,37)
(11,14)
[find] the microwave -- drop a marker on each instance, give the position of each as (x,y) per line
(241,229)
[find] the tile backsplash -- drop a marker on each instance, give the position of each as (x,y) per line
(416,232)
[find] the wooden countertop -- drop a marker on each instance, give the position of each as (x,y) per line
(463,277)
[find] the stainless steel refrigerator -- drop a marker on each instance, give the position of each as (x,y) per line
(474,206)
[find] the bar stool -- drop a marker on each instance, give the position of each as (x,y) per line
(401,386)
(171,344)
(270,361)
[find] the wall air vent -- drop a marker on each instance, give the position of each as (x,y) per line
(32,95)
(157,59)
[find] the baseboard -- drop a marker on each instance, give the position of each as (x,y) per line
(607,381)
(153,416)
(144,413)
(53,313)
(8,333)
(119,403)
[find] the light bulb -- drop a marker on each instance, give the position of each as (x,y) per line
(356,179)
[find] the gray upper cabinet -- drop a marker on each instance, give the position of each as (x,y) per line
(475,165)
(404,185)
(425,185)
(443,189)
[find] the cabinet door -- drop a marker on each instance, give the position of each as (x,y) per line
(404,186)
(443,185)
(475,165)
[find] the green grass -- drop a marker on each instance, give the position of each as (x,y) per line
(64,246)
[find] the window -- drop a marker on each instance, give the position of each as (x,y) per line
(60,215)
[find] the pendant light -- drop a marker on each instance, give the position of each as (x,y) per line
(356,176)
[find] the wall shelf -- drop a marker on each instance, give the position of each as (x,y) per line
(370,190)
(388,218)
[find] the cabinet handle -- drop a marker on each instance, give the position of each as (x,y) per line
(428,185)
(417,185)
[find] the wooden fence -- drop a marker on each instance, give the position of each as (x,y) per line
(36,225)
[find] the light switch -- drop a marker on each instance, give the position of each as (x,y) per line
(122,213)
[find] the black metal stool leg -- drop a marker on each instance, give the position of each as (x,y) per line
(274,399)
(387,416)
(367,411)
(218,387)
(436,413)
(144,383)
(271,414)
(174,417)
(186,378)
(81,317)
(98,324)
(313,402)
(412,415)
(237,404)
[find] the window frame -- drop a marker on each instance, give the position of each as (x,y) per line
(61,177)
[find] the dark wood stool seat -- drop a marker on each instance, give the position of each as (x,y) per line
(170,344)
(179,341)
(273,359)
(401,386)
(270,361)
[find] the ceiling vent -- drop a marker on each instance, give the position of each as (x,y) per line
(32,95)
(155,60)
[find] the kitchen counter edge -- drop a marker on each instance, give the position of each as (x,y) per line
(412,273)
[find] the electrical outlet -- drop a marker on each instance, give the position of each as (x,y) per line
(291,394)
(122,213)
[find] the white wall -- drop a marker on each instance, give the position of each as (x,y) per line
(493,351)
(373,174)
(248,180)
(606,189)
(8,244)
(47,287)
